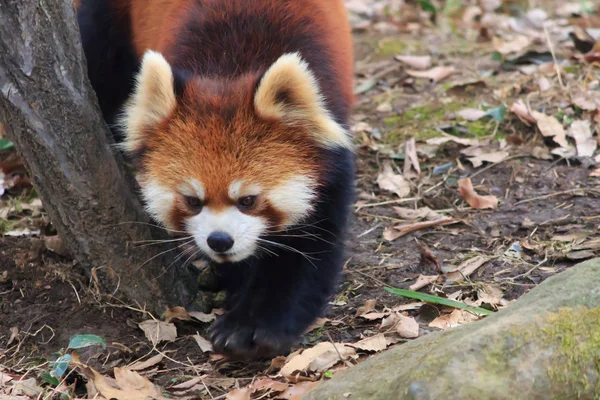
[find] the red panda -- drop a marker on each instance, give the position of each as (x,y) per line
(235,113)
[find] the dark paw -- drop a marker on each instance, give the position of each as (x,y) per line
(242,340)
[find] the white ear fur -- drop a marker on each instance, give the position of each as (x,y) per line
(153,99)
(289,91)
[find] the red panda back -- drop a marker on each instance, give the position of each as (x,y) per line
(227,38)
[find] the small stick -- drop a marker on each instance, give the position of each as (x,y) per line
(556,67)
(348,364)
(547,196)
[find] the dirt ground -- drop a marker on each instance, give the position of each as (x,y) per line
(547,218)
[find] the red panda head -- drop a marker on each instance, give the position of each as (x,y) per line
(230,161)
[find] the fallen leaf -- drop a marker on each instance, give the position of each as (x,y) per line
(586,102)
(392,182)
(127,385)
(366,308)
(318,323)
(456,318)
(268,384)
(494,157)
(520,109)
(465,269)
(580,130)
(404,229)
(427,255)
(141,365)
(318,358)
(471,114)
(417,62)
(569,237)
(550,127)
(419,213)
(407,327)
(158,331)
(14,333)
(187,384)
(490,294)
(276,364)
(409,306)
(580,255)
(203,317)
(373,316)
(435,74)
(422,281)
(516,45)
(449,138)
(389,321)
(239,394)
(411,159)
(177,313)
(374,343)
(466,190)
(297,391)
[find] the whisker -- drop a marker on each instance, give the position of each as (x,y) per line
(149,224)
(161,253)
(286,247)
(153,242)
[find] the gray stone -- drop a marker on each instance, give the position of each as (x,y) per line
(544,346)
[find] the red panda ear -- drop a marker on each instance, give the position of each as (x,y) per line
(152,101)
(289,91)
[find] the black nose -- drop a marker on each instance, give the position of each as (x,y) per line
(219,242)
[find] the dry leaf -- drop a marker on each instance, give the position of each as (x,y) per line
(490,294)
(158,331)
(318,323)
(238,394)
(127,385)
(187,384)
(514,46)
(417,62)
(471,114)
(427,255)
(388,321)
(422,281)
(520,109)
(407,327)
(318,358)
(493,157)
(466,268)
(435,74)
(268,384)
(449,138)
(203,317)
(419,213)
(373,343)
(366,308)
(411,159)
(373,316)
(297,391)
(410,306)
(204,344)
(456,318)
(176,313)
(550,127)
(14,333)
(392,182)
(466,190)
(405,229)
(580,130)
(586,101)
(141,365)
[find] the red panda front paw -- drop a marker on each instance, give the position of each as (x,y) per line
(242,340)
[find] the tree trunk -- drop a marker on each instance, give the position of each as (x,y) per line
(51,114)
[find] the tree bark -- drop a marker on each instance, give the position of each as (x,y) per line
(50,112)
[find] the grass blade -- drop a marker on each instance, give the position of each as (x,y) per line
(438,300)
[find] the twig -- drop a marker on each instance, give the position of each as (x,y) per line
(556,67)
(348,364)
(547,196)
(383,203)
(497,163)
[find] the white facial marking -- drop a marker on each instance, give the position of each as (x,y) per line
(294,198)
(243,229)
(239,189)
(194,188)
(159,200)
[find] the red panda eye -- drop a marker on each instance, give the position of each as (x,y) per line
(247,202)
(194,203)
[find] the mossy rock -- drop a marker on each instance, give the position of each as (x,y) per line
(544,346)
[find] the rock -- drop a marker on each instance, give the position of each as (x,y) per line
(544,346)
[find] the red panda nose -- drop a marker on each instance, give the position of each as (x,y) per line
(219,241)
